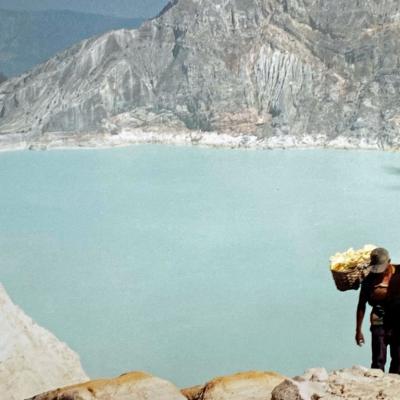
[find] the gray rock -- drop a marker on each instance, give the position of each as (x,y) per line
(287,390)
(265,68)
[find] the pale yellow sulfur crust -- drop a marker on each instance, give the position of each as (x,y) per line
(351,258)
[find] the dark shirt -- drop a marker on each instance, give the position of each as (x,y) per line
(374,289)
(393,294)
(392,306)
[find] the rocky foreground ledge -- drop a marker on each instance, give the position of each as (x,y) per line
(357,383)
(32,360)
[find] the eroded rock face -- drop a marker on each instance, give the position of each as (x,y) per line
(262,67)
(135,385)
(245,385)
(32,360)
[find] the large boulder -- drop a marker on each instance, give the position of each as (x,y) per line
(32,360)
(132,386)
(252,385)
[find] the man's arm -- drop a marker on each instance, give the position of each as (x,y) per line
(362,302)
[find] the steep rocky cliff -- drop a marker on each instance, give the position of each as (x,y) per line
(32,360)
(269,68)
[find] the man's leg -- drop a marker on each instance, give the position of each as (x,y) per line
(379,347)
(395,351)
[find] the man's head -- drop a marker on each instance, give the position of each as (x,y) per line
(380,260)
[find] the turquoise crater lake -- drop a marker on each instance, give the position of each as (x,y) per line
(191,263)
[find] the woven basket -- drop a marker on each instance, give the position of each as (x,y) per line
(350,279)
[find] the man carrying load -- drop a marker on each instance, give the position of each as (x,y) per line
(374,291)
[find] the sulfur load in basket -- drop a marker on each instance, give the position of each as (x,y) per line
(351,267)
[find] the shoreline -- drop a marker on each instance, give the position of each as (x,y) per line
(59,141)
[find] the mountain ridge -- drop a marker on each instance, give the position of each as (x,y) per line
(263,69)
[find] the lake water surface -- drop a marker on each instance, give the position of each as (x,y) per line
(191,263)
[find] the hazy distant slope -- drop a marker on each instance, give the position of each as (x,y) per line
(116,8)
(29,38)
(2,77)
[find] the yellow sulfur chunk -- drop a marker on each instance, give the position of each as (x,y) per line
(351,258)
